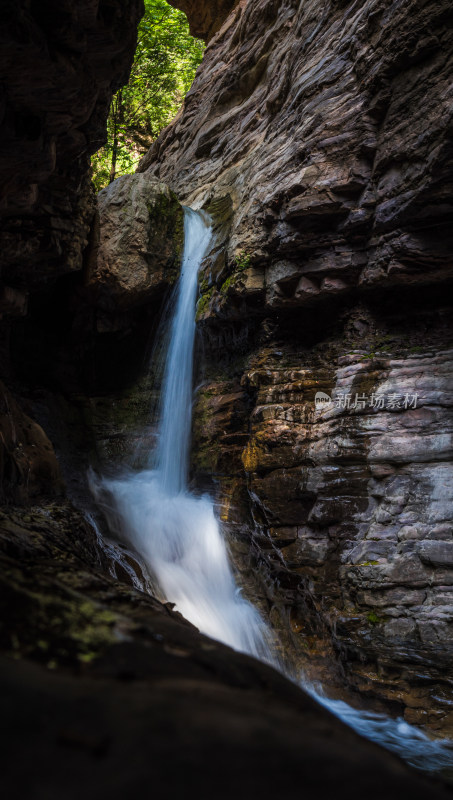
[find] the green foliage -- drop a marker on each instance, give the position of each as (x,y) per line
(165,63)
(242,261)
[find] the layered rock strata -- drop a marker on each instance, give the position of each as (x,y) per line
(329,127)
(319,138)
(350,501)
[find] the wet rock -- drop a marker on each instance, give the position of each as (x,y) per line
(123,692)
(28,465)
(351,503)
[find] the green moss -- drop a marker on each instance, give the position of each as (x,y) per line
(240,264)
(60,627)
(373,618)
(384,340)
(204,286)
(242,261)
(167,217)
(226,284)
(203,303)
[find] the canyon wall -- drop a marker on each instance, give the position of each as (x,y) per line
(60,64)
(319,137)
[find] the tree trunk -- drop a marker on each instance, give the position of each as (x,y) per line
(114,155)
(117,109)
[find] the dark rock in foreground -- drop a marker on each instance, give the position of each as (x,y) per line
(108,693)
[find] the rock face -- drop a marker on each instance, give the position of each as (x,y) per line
(205,18)
(138,252)
(123,692)
(60,63)
(350,503)
(319,138)
(329,129)
(28,464)
(356,500)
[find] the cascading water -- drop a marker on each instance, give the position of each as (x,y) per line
(178,535)
(176,397)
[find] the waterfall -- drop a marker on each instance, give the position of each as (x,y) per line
(179,537)
(176,532)
(176,396)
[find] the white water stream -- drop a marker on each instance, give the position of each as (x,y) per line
(176,533)
(179,537)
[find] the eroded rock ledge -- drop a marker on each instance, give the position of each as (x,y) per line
(206,17)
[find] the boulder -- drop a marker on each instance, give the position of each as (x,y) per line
(124,694)
(137,254)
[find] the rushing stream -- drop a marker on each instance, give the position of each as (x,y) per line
(179,537)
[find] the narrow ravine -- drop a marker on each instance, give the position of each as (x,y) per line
(179,537)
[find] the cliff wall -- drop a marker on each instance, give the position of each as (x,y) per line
(319,137)
(60,63)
